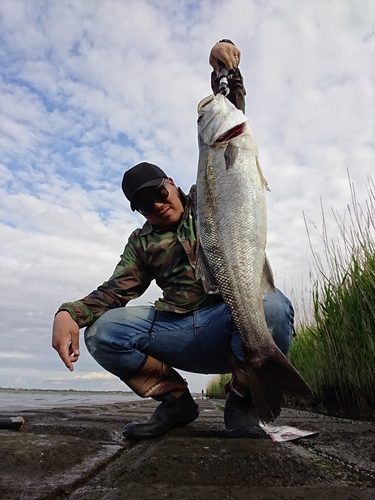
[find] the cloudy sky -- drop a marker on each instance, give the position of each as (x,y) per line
(88,88)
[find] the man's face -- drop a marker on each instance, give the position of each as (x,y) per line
(164,214)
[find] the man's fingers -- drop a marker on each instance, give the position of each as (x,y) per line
(71,355)
(65,338)
(74,351)
(63,348)
(215,64)
(231,59)
(74,346)
(66,358)
(226,53)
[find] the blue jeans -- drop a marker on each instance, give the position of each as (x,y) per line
(201,341)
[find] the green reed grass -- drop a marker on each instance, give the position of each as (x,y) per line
(336,351)
(216,386)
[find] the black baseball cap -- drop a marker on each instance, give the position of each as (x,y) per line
(141,176)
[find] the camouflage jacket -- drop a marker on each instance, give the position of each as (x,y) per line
(167,256)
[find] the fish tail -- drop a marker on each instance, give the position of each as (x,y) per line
(269,381)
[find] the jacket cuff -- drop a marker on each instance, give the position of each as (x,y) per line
(236,85)
(69,307)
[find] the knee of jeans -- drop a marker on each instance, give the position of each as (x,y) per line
(98,339)
(283,339)
(92,339)
(280,319)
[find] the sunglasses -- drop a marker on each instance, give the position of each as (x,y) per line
(159,195)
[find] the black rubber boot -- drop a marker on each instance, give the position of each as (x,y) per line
(172,412)
(241,418)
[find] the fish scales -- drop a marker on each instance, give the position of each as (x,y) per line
(232,222)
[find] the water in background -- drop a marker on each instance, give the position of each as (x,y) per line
(14,400)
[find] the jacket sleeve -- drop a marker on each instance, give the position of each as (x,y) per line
(129,280)
(236,85)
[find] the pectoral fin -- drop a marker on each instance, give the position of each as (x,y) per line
(265,183)
(230,155)
(268,284)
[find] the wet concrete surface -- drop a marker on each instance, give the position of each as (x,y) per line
(79,453)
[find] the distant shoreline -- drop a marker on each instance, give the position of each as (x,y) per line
(13,389)
(74,391)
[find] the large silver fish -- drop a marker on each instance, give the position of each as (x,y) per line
(232,222)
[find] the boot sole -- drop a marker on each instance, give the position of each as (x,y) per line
(249,433)
(128,434)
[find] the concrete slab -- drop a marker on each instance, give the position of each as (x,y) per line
(79,453)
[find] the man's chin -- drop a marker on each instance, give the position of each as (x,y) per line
(169,219)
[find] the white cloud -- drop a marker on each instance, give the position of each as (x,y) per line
(90,88)
(14,355)
(85,376)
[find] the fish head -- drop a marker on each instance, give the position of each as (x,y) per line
(217,117)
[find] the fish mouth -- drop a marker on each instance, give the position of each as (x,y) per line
(233,132)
